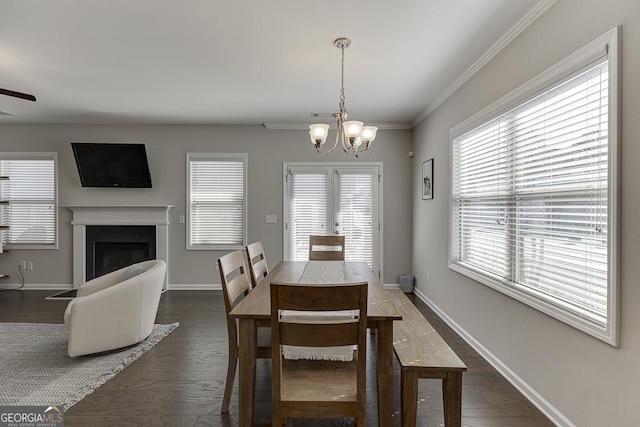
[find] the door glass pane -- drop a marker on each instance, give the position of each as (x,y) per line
(308,198)
(356,215)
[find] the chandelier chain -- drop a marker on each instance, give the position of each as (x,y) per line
(342,107)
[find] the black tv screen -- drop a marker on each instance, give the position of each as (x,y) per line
(112,165)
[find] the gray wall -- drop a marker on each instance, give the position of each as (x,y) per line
(583,379)
(166,148)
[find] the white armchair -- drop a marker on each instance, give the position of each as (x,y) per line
(115,310)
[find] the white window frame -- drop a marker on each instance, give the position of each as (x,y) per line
(37,156)
(242,157)
(606,43)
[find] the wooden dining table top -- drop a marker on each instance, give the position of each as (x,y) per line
(380,304)
(255,311)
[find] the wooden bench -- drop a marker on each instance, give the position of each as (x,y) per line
(423,353)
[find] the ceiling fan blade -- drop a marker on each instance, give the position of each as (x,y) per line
(20,95)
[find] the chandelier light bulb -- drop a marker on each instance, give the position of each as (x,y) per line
(318,133)
(369,133)
(352,129)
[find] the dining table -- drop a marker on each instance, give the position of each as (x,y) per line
(255,311)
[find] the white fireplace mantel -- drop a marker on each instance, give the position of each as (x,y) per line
(84,215)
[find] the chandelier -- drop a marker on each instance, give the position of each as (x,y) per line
(352,135)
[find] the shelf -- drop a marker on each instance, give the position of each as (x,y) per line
(4,227)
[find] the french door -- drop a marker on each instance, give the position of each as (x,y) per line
(334,199)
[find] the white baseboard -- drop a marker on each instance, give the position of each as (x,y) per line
(66,287)
(195,287)
(38,286)
(532,395)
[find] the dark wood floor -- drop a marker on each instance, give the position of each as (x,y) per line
(181,380)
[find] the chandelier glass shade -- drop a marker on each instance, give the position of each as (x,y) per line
(352,135)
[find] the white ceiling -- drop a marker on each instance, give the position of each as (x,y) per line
(239,62)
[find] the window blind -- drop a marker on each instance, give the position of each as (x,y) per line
(530,196)
(356,214)
(309,205)
(31,195)
(217,202)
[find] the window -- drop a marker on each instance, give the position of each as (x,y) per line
(326,199)
(533,201)
(216,201)
(30,193)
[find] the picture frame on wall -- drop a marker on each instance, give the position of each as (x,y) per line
(427,179)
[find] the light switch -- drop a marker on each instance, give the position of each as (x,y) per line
(271,219)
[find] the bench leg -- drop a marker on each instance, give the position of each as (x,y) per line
(452,397)
(408,397)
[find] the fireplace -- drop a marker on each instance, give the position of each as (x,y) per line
(111,247)
(106,237)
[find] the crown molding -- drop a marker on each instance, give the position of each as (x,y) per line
(305,126)
(529,18)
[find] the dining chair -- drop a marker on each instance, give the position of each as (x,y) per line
(258,268)
(235,286)
(318,388)
(326,248)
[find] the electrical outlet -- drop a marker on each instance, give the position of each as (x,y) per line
(23,265)
(271,219)
(29,265)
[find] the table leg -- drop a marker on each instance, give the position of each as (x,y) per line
(452,396)
(247,371)
(408,397)
(384,368)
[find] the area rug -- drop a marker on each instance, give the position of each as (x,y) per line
(36,370)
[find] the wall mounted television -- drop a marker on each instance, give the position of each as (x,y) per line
(115,165)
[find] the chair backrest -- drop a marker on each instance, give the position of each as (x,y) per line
(258,267)
(313,331)
(235,286)
(326,248)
